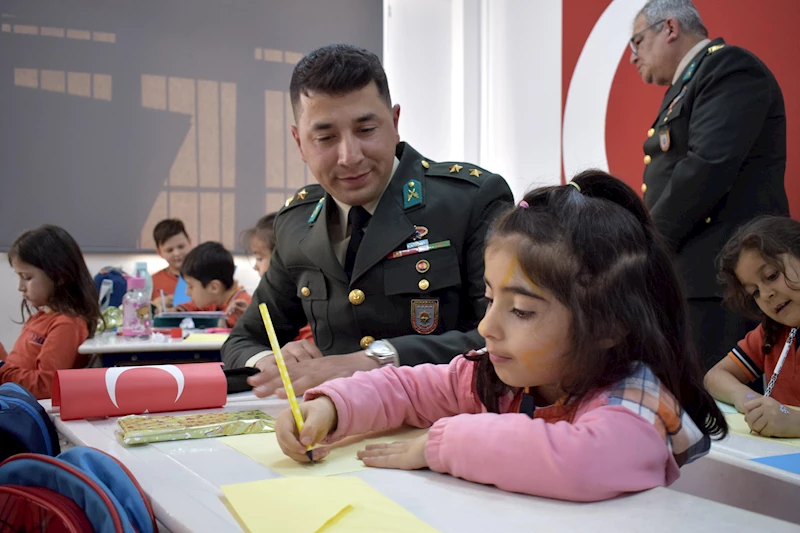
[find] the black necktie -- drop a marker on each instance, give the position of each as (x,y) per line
(357,220)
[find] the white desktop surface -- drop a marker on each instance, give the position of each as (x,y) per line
(739,449)
(182,479)
(107,343)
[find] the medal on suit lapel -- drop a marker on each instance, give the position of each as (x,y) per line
(663,138)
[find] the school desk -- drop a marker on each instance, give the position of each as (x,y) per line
(115,350)
(183,478)
(728,474)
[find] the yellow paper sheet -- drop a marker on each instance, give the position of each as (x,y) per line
(264,506)
(206,337)
(341,460)
(737,424)
(285,504)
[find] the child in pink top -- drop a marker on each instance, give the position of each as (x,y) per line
(587,387)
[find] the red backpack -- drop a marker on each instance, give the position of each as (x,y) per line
(36,509)
(81,486)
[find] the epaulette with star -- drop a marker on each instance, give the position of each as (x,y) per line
(471,173)
(306,195)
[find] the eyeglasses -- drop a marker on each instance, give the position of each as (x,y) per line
(632,43)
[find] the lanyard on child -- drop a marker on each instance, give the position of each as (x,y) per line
(781,360)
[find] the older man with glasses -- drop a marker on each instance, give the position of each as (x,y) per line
(714,156)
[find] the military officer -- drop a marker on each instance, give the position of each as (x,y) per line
(714,156)
(384,257)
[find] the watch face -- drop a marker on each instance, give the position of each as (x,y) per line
(380,349)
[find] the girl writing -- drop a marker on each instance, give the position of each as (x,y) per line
(61,300)
(587,387)
(760,266)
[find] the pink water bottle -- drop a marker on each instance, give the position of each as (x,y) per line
(136,319)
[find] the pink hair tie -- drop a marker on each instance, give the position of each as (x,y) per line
(524,205)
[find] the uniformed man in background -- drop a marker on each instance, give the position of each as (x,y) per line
(384,258)
(715,155)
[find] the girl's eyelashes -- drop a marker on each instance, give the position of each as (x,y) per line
(519,313)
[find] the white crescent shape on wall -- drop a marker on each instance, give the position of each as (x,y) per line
(583,135)
(113,374)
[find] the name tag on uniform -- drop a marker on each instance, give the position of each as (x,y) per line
(418,249)
(416,244)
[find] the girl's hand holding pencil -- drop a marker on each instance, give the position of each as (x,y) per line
(320,419)
(770,418)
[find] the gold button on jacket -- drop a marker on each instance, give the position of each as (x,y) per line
(357,297)
(366,341)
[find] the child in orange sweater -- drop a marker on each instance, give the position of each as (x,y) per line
(61,300)
(208,271)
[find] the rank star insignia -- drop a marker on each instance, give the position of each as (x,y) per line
(302,194)
(475,172)
(456,168)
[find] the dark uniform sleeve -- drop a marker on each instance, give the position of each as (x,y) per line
(727,116)
(493,197)
(248,336)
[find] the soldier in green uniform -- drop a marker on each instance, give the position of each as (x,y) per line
(384,258)
(715,155)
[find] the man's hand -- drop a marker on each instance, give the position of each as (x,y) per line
(307,373)
(292,352)
(770,418)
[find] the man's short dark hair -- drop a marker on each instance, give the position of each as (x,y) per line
(207,262)
(337,69)
(168,228)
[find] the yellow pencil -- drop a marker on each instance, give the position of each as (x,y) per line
(287,383)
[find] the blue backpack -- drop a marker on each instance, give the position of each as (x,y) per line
(119,284)
(24,424)
(101,486)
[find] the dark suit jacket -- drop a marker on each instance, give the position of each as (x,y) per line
(306,283)
(723,160)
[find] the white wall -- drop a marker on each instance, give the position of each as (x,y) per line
(479,80)
(10,298)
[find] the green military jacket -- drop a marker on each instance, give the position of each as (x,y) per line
(715,157)
(426,299)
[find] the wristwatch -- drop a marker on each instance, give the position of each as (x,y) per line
(382,353)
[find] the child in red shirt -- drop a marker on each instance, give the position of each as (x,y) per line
(56,284)
(761,264)
(172,244)
(208,271)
